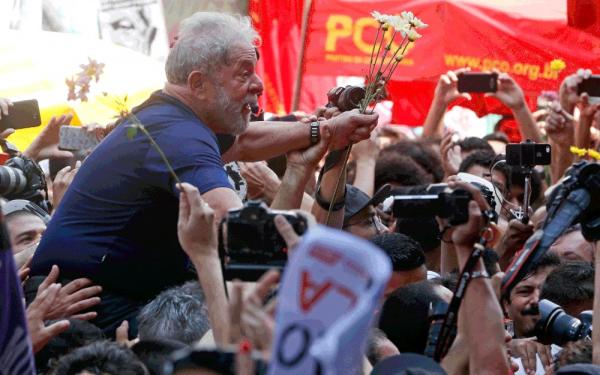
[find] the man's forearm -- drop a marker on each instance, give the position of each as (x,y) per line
(328,184)
(583,132)
(483,323)
(527,124)
(364,178)
(561,160)
(291,189)
(211,281)
(267,139)
(433,122)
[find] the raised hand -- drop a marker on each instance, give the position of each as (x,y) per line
(560,126)
(37,313)
(61,182)
(450,155)
(447,87)
(5,104)
(509,92)
(71,299)
(45,145)
(195,228)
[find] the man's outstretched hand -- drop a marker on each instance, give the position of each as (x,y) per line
(350,127)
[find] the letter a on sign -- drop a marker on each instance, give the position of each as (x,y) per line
(311,293)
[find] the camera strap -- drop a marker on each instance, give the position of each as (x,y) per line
(448,329)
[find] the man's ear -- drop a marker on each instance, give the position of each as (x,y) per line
(496,235)
(197,83)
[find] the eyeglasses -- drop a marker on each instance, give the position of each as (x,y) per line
(373,220)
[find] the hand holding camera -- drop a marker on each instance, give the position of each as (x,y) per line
(447,87)
(509,92)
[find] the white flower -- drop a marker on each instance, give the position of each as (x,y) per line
(410,18)
(381,18)
(399,24)
(413,35)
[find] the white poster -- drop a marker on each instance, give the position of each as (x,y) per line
(331,288)
(135,24)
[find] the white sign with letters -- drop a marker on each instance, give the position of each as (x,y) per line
(331,289)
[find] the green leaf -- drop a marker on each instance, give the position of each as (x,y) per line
(131,132)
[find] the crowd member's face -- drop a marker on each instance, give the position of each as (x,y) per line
(236,85)
(523,305)
(366,224)
(402,278)
(24,231)
(572,246)
(497,178)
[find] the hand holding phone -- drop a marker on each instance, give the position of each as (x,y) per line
(22,114)
(76,138)
(591,86)
(477,82)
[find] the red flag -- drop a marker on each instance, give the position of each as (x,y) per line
(279,24)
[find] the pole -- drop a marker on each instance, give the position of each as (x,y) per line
(299,72)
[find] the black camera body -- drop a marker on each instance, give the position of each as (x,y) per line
(528,154)
(253,244)
(22,178)
(433,200)
(557,327)
(345,98)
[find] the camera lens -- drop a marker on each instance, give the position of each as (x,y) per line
(557,327)
(12,181)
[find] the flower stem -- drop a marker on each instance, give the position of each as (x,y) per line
(369,76)
(157,147)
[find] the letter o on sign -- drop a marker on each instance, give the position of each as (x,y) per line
(291,359)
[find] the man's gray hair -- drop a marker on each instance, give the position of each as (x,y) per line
(179,313)
(204,41)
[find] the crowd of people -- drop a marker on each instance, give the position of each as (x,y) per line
(122,272)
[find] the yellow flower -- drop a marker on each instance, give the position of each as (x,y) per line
(557,65)
(594,154)
(578,151)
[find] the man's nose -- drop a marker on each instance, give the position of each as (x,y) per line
(256,87)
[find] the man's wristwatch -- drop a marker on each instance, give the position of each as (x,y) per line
(315,132)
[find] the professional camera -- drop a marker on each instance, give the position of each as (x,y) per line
(22,178)
(345,98)
(253,244)
(574,200)
(432,200)
(556,327)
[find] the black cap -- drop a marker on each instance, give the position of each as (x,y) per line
(579,369)
(357,200)
(408,363)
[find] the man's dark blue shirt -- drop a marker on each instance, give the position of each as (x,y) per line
(117,223)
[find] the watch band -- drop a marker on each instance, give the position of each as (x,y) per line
(315,132)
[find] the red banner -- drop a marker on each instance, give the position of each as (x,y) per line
(279,24)
(460,34)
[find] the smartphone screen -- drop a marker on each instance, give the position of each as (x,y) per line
(23,114)
(591,86)
(477,82)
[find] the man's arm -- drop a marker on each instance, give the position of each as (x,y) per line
(300,166)
(445,93)
(197,235)
(328,184)
(221,200)
(264,140)
(511,94)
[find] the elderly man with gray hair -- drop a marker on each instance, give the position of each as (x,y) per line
(117,222)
